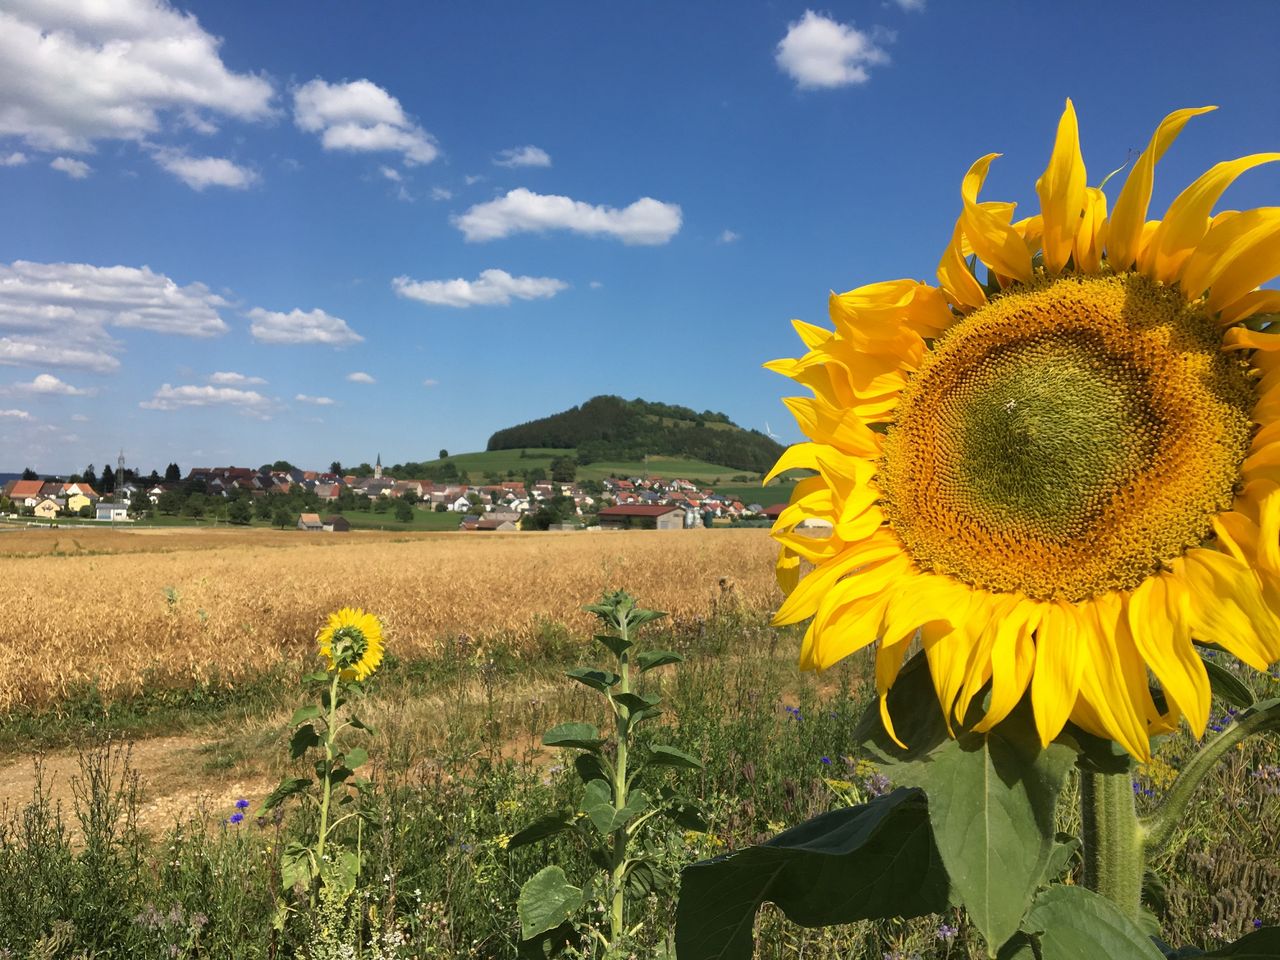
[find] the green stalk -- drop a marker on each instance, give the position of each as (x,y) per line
(326,785)
(619,862)
(1114,856)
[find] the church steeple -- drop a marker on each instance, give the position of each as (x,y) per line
(377,468)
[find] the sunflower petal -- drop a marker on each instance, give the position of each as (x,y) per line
(994,239)
(1061,189)
(1158,624)
(1187,220)
(1124,229)
(1055,685)
(1237,254)
(959,285)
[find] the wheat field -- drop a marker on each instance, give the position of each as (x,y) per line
(124,609)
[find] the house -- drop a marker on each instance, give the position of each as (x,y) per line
(337,524)
(113,512)
(310,521)
(774,510)
(79,495)
(643,517)
(47,508)
(26,493)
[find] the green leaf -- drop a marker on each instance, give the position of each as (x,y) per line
(1065,848)
(581,736)
(1262,944)
(304,713)
(638,704)
(685,814)
(595,679)
(917,719)
(1072,923)
(1227,685)
(546,900)
(661,755)
(591,766)
(597,803)
(992,800)
(550,943)
(303,739)
(343,872)
(637,617)
(356,757)
(543,827)
(359,724)
(295,866)
(657,658)
(873,860)
(617,646)
(1018,947)
(287,788)
(1096,754)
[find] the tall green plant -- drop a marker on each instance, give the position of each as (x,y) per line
(616,809)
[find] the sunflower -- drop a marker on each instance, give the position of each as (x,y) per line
(1059,472)
(351,642)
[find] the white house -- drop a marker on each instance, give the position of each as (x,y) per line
(111,511)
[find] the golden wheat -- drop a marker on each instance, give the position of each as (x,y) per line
(132,608)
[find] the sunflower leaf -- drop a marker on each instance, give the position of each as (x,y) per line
(1072,923)
(1228,686)
(870,861)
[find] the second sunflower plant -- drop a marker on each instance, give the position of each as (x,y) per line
(1039,489)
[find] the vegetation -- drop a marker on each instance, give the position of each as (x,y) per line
(611,428)
(459,771)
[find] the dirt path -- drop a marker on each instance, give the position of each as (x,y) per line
(174,781)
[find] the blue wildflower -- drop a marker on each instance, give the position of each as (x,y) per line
(235,817)
(242,804)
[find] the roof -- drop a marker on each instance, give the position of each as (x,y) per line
(774,509)
(26,488)
(310,518)
(640,510)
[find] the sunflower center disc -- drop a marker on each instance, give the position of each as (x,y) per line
(1067,439)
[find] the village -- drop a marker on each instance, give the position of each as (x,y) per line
(316,501)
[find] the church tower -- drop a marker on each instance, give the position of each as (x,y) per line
(377,468)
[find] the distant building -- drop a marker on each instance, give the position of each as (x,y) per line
(310,521)
(643,517)
(500,524)
(337,524)
(48,507)
(113,512)
(774,510)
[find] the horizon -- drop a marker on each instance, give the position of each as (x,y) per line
(317,231)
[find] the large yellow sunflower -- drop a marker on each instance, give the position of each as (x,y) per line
(1059,469)
(351,643)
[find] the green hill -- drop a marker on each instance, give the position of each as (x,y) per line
(609,429)
(499,464)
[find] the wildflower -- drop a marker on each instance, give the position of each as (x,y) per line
(351,642)
(236,817)
(242,804)
(946,932)
(1058,476)
(826,761)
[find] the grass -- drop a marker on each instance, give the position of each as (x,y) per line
(423,519)
(499,462)
(458,767)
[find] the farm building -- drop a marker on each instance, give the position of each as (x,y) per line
(643,516)
(501,524)
(337,524)
(111,511)
(310,521)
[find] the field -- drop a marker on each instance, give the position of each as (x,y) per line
(191,606)
(155,673)
(499,462)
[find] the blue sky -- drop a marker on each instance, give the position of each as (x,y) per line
(213,214)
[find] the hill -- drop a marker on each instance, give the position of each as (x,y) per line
(503,464)
(609,429)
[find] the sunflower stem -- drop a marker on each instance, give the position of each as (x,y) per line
(326,785)
(1114,857)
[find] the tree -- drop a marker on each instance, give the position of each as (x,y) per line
(172,473)
(282,465)
(564,469)
(86,512)
(336,467)
(90,476)
(262,507)
(170,503)
(282,517)
(29,474)
(239,511)
(139,504)
(444,454)
(404,511)
(108,482)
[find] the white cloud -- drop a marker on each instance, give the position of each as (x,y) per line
(317,401)
(15,159)
(39,352)
(169,397)
(72,72)
(529,156)
(472,179)
(361,117)
(440,193)
(60,312)
(79,418)
(229,378)
(297,326)
(15,415)
(818,52)
(75,169)
(911,6)
(392,174)
(430,382)
(492,288)
(360,376)
(728,236)
(200,172)
(595,285)
(50,386)
(647,221)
